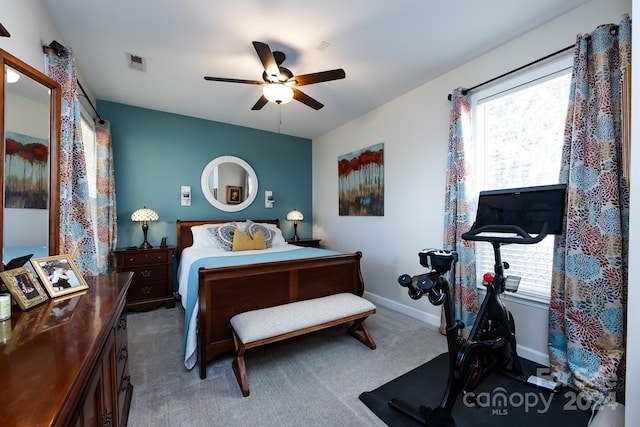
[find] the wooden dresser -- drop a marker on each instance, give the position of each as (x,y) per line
(65,361)
(152,283)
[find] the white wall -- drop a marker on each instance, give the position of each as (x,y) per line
(30,28)
(414,129)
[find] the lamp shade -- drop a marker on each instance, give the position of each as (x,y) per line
(144,214)
(278,93)
(295,215)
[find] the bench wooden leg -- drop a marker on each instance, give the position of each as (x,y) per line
(238,366)
(360,332)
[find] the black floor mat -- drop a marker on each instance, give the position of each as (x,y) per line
(501,400)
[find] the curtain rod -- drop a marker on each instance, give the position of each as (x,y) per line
(90,103)
(59,50)
(465,91)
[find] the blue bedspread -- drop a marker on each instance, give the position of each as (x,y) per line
(226,261)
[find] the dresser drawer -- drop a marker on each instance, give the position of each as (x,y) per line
(132,259)
(124,391)
(149,273)
(122,349)
(146,291)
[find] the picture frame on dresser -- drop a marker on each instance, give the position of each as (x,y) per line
(24,287)
(59,275)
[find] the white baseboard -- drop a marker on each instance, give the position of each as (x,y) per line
(431,319)
(404,309)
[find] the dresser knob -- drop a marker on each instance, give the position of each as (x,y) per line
(122,324)
(126,380)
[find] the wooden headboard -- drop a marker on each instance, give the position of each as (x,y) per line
(185,238)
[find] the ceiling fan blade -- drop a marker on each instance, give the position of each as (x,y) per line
(268,61)
(222,79)
(323,76)
(306,99)
(261,103)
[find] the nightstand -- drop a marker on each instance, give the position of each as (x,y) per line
(152,283)
(309,243)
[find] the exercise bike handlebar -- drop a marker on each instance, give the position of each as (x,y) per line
(524,237)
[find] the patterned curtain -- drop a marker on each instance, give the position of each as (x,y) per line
(589,283)
(76,230)
(105,208)
(460,205)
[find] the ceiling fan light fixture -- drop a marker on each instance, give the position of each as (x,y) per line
(12,76)
(278,93)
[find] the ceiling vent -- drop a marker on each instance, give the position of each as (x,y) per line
(136,62)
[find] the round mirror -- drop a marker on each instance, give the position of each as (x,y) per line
(229,183)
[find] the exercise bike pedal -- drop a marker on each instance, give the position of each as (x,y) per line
(511,283)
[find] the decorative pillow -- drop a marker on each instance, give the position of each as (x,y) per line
(223,235)
(278,238)
(244,242)
(253,227)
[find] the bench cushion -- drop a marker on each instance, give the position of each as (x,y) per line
(273,321)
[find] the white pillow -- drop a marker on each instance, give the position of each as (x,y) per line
(202,238)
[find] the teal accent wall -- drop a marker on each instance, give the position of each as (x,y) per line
(156,152)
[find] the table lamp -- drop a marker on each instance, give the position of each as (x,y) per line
(295,216)
(145,214)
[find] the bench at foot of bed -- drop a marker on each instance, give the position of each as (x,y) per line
(268,325)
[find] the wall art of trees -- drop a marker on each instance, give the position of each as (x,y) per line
(26,177)
(361,182)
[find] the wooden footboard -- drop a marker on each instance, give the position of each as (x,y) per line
(227,291)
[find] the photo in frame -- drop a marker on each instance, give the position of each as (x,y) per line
(59,275)
(24,287)
(234,195)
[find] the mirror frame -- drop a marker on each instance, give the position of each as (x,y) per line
(54,144)
(204,183)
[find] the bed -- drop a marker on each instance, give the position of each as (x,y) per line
(215,285)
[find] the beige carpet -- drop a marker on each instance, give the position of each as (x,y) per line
(314,380)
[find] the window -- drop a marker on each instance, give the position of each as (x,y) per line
(89,142)
(518,132)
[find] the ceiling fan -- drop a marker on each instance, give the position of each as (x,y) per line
(280,85)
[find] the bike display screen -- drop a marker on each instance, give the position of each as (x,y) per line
(528,208)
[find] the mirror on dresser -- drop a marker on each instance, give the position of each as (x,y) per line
(30,128)
(229,183)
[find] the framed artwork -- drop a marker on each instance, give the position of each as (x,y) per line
(24,287)
(26,172)
(234,194)
(361,182)
(59,275)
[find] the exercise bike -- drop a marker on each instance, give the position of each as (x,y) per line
(504,217)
